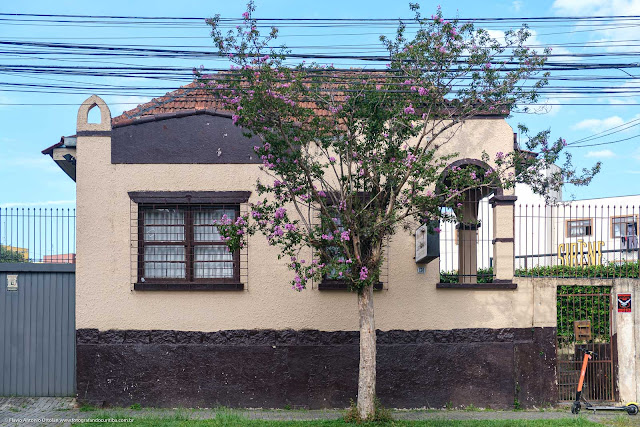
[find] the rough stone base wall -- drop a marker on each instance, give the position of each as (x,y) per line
(313,369)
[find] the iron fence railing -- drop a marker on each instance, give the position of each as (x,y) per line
(466,246)
(43,235)
(569,240)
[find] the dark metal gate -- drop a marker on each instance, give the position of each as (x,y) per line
(37,329)
(584,323)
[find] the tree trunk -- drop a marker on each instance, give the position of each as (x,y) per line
(367,373)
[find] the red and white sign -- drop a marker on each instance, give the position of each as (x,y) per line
(624,303)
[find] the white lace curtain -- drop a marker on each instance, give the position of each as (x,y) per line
(168,260)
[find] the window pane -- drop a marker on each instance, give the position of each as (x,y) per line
(203,228)
(213,262)
(164,225)
(623,219)
(579,227)
(624,226)
(166,262)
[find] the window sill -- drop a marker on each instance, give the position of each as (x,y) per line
(147,286)
(341,285)
(496,284)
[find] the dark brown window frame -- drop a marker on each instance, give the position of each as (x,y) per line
(190,202)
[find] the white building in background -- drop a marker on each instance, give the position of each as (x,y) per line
(597,231)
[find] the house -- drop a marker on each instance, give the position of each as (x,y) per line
(165,316)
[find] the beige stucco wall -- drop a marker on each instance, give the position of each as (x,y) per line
(105,298)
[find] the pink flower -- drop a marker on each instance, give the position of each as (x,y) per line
(364,273)
(280,213)
(245,15)
(407,110)
(344,235)
(235,118)
(297,284)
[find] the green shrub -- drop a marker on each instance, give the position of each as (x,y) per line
(485,275)
(610,270)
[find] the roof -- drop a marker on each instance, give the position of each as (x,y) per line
(49,150)
(197,99)
(188,97)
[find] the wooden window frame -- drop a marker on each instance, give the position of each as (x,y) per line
(189,243)
(566,227)
(634,216)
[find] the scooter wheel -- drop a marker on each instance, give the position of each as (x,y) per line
(632,409)
(575,408)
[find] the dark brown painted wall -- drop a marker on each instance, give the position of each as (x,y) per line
(198,138)
(313,369)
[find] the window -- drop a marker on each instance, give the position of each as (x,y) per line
(624,226)
(181,244)
(333,280)
(626,229)
(579,227)
(175,244)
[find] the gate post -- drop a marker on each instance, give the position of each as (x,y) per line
(628,340)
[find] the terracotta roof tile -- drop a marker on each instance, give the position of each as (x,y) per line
(192,97)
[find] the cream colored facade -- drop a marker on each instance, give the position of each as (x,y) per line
(106,299)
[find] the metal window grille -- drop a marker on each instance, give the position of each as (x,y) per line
(466,247)
(180,244)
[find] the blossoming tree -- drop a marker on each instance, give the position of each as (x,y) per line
(355,156)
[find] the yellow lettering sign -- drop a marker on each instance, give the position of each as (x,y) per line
(580,253)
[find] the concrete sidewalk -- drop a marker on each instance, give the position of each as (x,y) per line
(13,410)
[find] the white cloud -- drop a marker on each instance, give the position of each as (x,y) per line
(37,204)
(614,31)
(602,154)
(535,44)
(5,100)
(516,5)
(598,125)
(597,7)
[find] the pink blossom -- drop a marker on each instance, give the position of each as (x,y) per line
(409,110)
(364,273)
(344,235)
(280,213)
(245,15)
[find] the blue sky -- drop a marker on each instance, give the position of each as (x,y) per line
(31,179)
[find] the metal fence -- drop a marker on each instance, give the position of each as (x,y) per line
(42,235)
(569,240)
(584,324)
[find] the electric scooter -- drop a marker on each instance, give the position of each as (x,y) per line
(631,408)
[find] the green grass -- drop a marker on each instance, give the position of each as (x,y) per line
(230,419)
